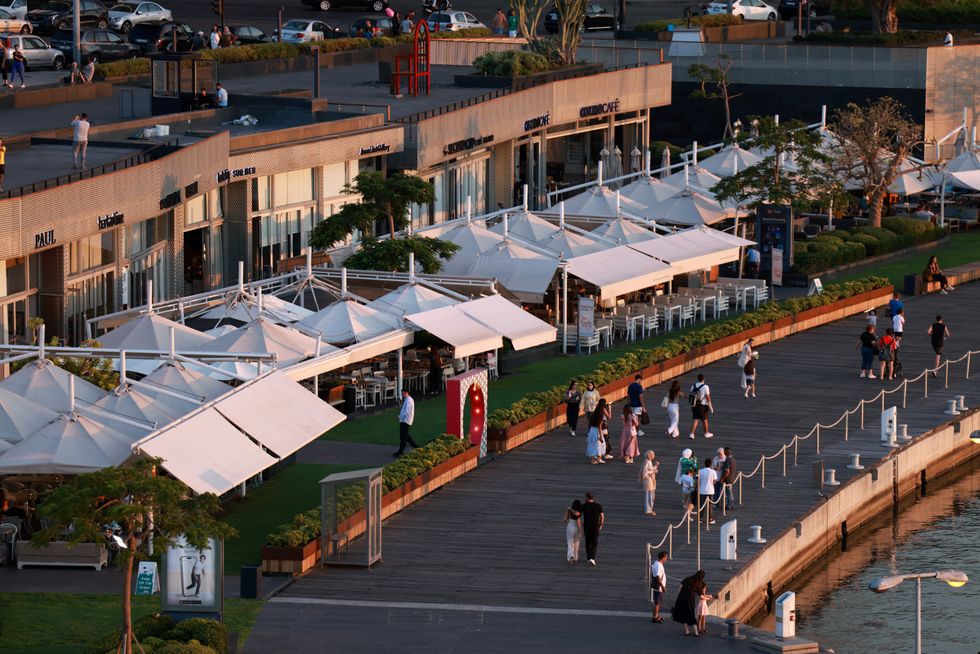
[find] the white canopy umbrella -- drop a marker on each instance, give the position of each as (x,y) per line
(348,321)
(689,208)
(521,271)
(569,244)
(243,307)
(911,183)
(624,231)
(471,238)
(260,336)
(151,332)
(175,376)
(131,402)
(411,298)
(72,444)
(19,417)
(647,191)
(597,202)
(967,179)
(42,382)
(729,161)
(527,226)
(695,176)
(969,160)
(220,330)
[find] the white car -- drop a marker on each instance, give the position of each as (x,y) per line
(10,23)
(304,31)
(747,9)
(453,21)
(18,8)
(124,15)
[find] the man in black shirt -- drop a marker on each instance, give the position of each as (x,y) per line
(592,520)
(939,333)
(728,473)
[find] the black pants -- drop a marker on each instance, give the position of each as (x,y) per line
(938,277)
(591,542)
(404,438)
(571,416)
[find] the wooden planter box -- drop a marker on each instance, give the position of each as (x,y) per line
(717,34)
(290,560)
(520,81)
(504,440)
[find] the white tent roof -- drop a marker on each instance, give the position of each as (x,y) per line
(220,330)
(966,161)
(693,249)
(504,317)
(411,298)
(152,332)
(569,244)
(967,179)
(132,402)
(466,335)
(213,464)
(527,226)
(624,231)
(619,270)
(263,335)
(521,271)
(258,410)
(72,444)
(348,321)
(43,382)
(911,183)
(696,176)
(176,376)
(648,190)
(19,417)
(597,202)
(244,308)
(471,238)
(688,208)
(730,160)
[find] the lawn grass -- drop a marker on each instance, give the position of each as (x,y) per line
(62,623)
(961,249)
(293,490)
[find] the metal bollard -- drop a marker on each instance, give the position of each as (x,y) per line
(903,433)
(951,408)
(961,402)
(756,536)
(830,477)
(733,630)
(855,463)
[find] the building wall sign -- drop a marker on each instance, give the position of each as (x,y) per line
(537,123)
(111,220)
(375,149)
(467,144)
(44,239)
(599,109)
(225,175)
(170,200)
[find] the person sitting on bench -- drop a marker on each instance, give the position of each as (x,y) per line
(933,273)
(202,100)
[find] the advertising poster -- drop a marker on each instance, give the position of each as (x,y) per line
(777,267)
(586,317)
(193,578)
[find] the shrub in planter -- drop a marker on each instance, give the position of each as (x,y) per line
(209,633)
(710,20)
(512,63)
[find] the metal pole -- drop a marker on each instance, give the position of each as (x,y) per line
(763,459)
(688,525)
(796,449)
(699,533)
(316,73)
(969,352)
(925,383)
(862,415)
(670,541)
(947,373)
(564,310)
(740,476)
(905,392)
(818,436)
(279,25)
(784,460)
(918,614)
(399,384)
(76,35)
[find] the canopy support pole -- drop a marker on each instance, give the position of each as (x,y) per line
(942,200)
(399,382)
(564,313)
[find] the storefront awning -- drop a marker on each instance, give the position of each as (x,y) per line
(279,413)
(466,335)
(504,317)
(693,249)
(619,270)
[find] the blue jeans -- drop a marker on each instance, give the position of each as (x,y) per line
(867,356)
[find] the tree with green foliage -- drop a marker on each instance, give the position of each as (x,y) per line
(714,85)
(529,14)
(884,16)
(145,504)
(571,21)
(392,254)
(793,171)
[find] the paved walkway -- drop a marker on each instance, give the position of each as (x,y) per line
(495,537)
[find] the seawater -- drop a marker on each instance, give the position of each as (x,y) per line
(938,531)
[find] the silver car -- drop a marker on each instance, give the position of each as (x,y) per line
(126,14)
(36,50)
(16,7)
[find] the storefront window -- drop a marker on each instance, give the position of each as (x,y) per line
(91,252)
(261,193)
(293,187)
(13,276)
(89,298)
(334,179)
(283,235)
(204,207)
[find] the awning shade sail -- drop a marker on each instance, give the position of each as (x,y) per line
(466,335)
(176,377)
(72,444)
(260,411)
(527,226)
(648,191)
(619,270)
(207,453)
(693,249)
(19,417)
(597,202)
(504,317)
(347,321)
(967,179)
(152,332)
(411,298)
(624,231)
(43,382)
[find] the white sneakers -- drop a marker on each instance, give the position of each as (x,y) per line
(639,432)
(691,436)
(871,375)
(591,561)
(708,434)
(863,374)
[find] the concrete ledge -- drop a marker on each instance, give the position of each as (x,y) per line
(775,644)
(43,97)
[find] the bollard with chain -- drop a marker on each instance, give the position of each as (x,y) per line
(925,383)
(947,373)
(862,415)
(763,459)
(847,424)
(905,392)
(784,460)
(818,438)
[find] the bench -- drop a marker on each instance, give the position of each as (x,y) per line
(59,553)
(915,285)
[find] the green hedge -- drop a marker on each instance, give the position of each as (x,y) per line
(842,246)
(305,526)
(160,634)
(916,11)
(906,37)
(629,364)
(710,20)
(511,63)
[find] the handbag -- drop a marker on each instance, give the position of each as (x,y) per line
(664,402)
(644,418)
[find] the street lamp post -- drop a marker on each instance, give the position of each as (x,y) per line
(954,578)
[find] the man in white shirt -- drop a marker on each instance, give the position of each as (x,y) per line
(215,39)
(406,416)
(898,325)
(707,477)
(948,40)
(220,95)
(80,140)
(701,406)
(658,584)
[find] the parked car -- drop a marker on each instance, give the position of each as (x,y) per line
(304,31)
(124,15)
(248,34)
(596,18)
(453,21)
(37,51)
(384,26)
(57,15)
(10,23)
(95,45)
(747,9)
(789,9)
(16,7)
(159,37)
(377,6)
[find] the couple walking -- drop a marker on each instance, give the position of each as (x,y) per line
(699,397)
(583,520)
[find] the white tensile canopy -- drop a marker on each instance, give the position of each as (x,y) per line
(730,160)
(72,444)
(963,162)
(597,202)
(19,417)
(43,382)
(510,320)
(151,332)
(912,183)
(242,307)
(694,249)
(647,191)
(523,272)
(967,179)
(411,298)
(348,321)
(264,336)
(176,376)
(688,208)
(131,402)
(624,231)
(619,270)
(569,244)
(694,176)
(471,238)
(527,226)
(220,330)
(466,335)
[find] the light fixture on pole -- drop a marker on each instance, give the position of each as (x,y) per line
(954,578)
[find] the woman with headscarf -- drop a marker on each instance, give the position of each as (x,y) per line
(590,400)
(687,467)
(648,478)
(686,605)
(573,529)
(593,444)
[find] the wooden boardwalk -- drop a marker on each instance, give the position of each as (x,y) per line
(495,536)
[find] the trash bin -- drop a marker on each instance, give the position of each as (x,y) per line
(909,285)
(251,582)
(786,615)
(350,399)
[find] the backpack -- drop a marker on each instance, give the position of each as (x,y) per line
(694,397)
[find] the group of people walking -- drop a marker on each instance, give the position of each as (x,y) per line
(885,347)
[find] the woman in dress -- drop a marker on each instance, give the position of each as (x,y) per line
(701,597)
(933,273)
(605,415)
(886,354)
(590,400)
(744,356)
(573,529)
(573,401)
(674,409)
(628,447)
(594,441)
(685,607)
(648,477)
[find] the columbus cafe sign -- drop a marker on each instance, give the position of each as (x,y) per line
(600,109)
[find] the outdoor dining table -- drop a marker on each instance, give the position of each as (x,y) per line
(669,304)
(649,315)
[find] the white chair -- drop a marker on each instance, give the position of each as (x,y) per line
(492,365)
(651,323)
(590,342)
(761,294)
(446,374)
(623,325)
(389,389)
(687,313)
(8,542)
(723,304)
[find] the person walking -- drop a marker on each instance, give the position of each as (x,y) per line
(435,369)
(658,584)
(79,140)
(938,332)
(685,606)
(215,39)
(593,441)
(729,471)
(19,66)
(886,353)
(406,416)
(512,24)
(628,447)
(573,530)
(872,319)
(700,400)
(592,520)
(895,304)
(635,394)
(605,415)
(743,358)
(702,596)
(5,63)
(408,25)
(707,478)
(717,463)
(898,326)
(573,402)
(672,404)
(686,467)
(754,260)
(867,345)
(932,273)
(499,22)
(648,477)
(590,400)
(749,375)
